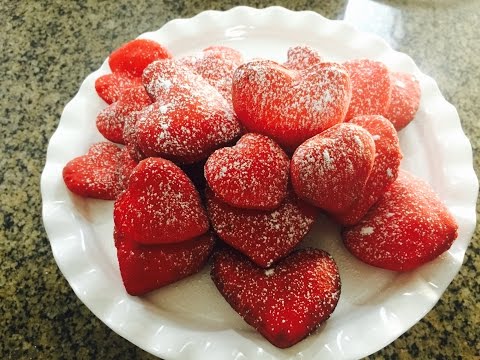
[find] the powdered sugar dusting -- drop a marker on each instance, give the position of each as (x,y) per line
(327,159)
(412,226)
(253,174)
(95,174)
(371,87)
(366,230)
(287,305)
(269,272)
(165,84)
(385,166)
(290,106)
(111,120)
(160,205)
(188,121)
(302,57)
(146,268)
(216,64)
(111,86)
(265,236)
(405,99)
(328,168)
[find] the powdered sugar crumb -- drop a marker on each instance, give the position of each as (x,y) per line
(270,272)
(367,230)
(326,157)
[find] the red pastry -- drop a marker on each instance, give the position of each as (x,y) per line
(130,135)
(252,174)
(405,99)
(287,105)
(148,267)
(111,120)
(95,174)
(408,227)
(216,64)
(302,57)
(160,205)
(188,121)
(126,165)
(285,303)
(133,57)
(111,86)
(385,167)
(225,52)
(371,88)
(331,169)
(127,64)
(264,236)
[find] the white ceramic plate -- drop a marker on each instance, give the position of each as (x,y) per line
(189,319)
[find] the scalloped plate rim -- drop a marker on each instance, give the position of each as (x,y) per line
(51,205)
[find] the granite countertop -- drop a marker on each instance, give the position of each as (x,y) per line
(49,47)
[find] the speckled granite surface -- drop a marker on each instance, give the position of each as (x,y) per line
(47,48)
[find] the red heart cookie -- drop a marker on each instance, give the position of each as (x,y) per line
(126,165)
(127,64)
(371,88)
(385,167)
(252,174)
(166,78)
(288,105)
(160,205)
(264,236)
(405,99)
(225,52)
(331,169)
(188,121)
(111,86)
(302,57)
(406,228)
(133,57)
(148,267)
(216,64)
(111,120)
(130,135)
(285,303)
(94,174)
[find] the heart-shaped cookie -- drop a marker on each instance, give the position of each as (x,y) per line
(188,121)
(331,169)
(133,57)
(101,173)
(385,167)
(127,64)
(371,87)
(126,165)
(160,205)
(148,267)
(285,303)
(111,86)
(130,135)
(287,105)
(253,174)
(406,228)
(111,120)
(216,64)
(302,57)
(264,236)
(404,101)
